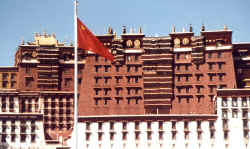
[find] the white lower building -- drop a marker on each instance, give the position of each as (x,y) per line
(227,129)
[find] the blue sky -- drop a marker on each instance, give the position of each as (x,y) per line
(19,19)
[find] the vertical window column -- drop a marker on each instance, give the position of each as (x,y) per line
(7,104)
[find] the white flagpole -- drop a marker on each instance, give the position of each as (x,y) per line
(75,81)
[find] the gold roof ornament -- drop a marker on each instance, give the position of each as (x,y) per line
(140,30)
(124,29)
(173,29)
(110,31)
(71,43)
(225,27)
(190,28)
(53,35)
(203,27)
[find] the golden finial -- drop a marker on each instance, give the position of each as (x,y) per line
(109,30)
(203,27)
(173,29)
(140,30)
(53,35)
(190,28)
(71,43)
(124,29)
(225,27)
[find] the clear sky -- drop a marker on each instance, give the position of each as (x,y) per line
(19,19)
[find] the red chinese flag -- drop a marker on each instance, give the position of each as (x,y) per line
(88,41)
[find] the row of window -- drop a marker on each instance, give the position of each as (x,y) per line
(209,55)
(199,98)
(129,58)
(235,114)
(118,91)
(107,68)
(234,102)
(199,77)
(118,79)
(13,138)
(106,100)
(199,88)
(149,125)
(149,132)
(211,66)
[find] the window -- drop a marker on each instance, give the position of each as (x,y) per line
(197,66)
(210,66)
(136,57)
(4,84)
(224,114)
(124,125)
(27,70)
(187,78)
(149,135)
(244,102)
(177,67)
(198,77)
(211,77)
(234,102)
(23,138)
(187,89)
(106,80)
(106,68)
(177,56)
(13,137)
(96,58)
(124,135)
(245,114)
(118,100)
(199,89)
(129,58)
(67,82)
(97,91)
(220,77)
(219,55)
(97,68)
(118,79)
(136,68)
(211,88)
(178,78)
(209,55)
(100,126)
(149,125)
(179,89)
(128,90)
(128,79)
(97,80)
(13,76)
(224,102)
(118,91)
(79,81)
(220,66)
(28,81)
(106,91)
(117,68)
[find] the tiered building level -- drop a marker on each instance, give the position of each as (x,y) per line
(160,92)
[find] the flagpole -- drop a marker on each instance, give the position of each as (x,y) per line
(75,80)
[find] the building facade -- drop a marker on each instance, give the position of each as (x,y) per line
(160,92)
